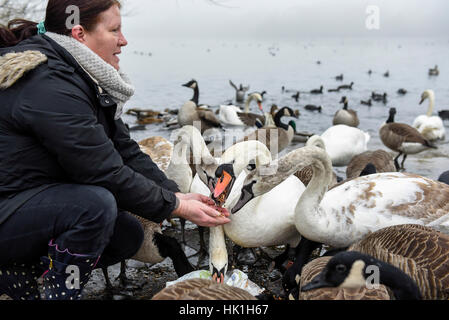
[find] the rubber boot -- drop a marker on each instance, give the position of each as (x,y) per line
(67,273)
(18,281)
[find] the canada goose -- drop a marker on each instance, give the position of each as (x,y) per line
(382,161)
(402,138)
(296,96)
(402,91)
(387,74)
(346,86)
(431,127)
(366,103)
(353,269)
(444,177)
(339,77)
(434,71)
(190,114)
(202,289)
(233,115)
(316,266)
(346,213)
(279,137)
(346,116)
(317,91)
(344,142)
(193,84)
(419,251)
(312,107)
(333,90)
(369,169)
(444,114)
(239,92)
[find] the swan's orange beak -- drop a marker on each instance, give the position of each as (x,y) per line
(222,183)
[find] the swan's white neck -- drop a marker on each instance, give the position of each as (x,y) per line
(217,249)
(431,103)
(191,149)
(307,211)
(179,169)
(247,102)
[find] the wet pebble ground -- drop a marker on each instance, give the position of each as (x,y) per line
(145,280)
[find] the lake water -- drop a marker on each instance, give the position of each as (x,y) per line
(270,65)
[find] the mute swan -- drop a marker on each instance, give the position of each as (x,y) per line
(255,225)
(344,142)
(348,212)
(233,115)
(431,127)
(402,138)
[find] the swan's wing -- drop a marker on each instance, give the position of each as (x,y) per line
(392,197)
(209,118)
(249,119)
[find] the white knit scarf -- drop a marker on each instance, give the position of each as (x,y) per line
(115,83)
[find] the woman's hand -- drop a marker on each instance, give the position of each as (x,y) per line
(201,210)
(195,196)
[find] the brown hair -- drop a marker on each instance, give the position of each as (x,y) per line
(55,19)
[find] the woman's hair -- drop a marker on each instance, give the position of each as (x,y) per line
(56,19)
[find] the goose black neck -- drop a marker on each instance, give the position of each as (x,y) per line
(169,247)
(345,105)
(390,118)
(403,287)
(196,95)
(277,120)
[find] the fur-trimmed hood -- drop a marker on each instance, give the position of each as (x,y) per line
(14,65)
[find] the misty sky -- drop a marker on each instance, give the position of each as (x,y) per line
(276,19)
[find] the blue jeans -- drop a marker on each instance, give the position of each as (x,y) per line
(81,218)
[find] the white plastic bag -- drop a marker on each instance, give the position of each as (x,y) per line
(236,278)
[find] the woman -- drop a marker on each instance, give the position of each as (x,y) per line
(68,167)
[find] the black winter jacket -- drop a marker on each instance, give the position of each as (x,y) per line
(55,127)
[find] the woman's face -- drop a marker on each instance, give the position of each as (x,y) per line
(107,39)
